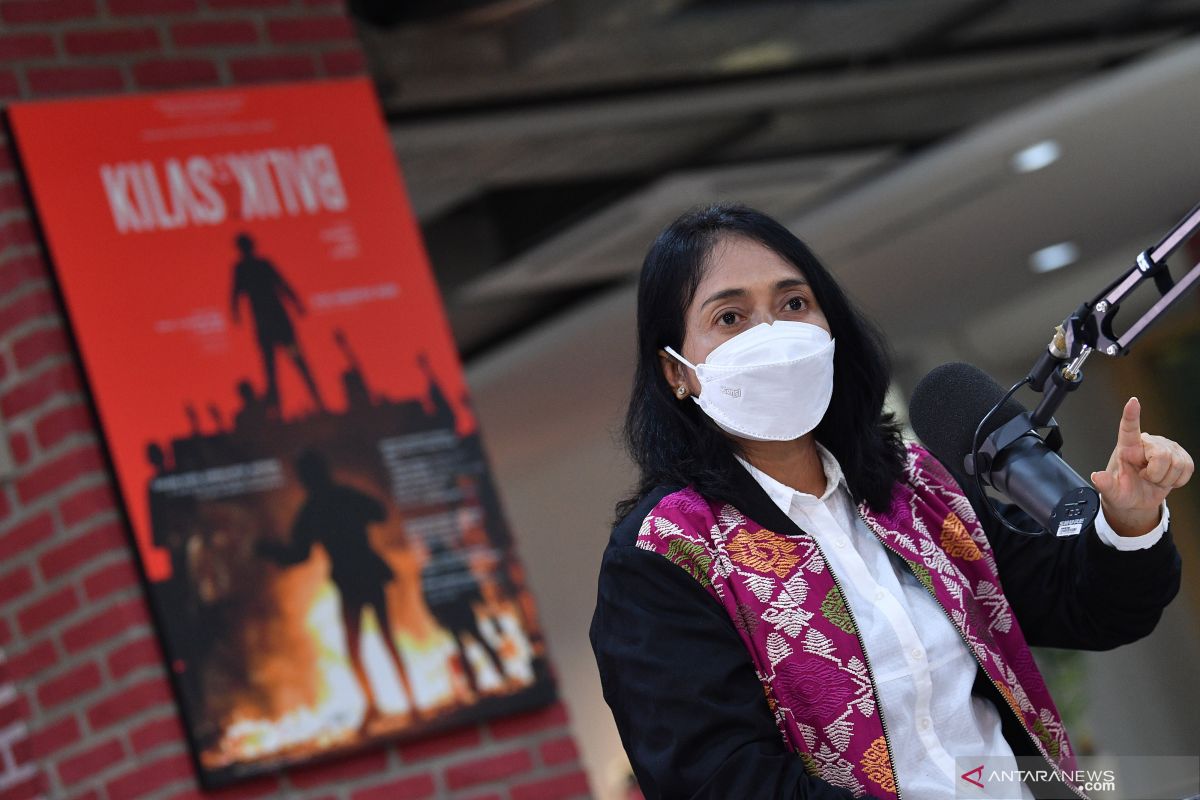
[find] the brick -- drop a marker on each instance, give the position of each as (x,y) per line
(78,681)
(150,777)
(5,505)
(11,196)
(59,472)
(15,272)
(5,633)
(25,46)
(491,768)
(32,788)
(309,30)
(15,583)
(529,722)
(558,751)
(49,739)
(259,69)
(86,503)
(105,538)
(214,33)
(26,535)
(30,305)
(439,744)
(32,392)
(236,4)
(39,344)
(9,88)
(32,660)
(245,790)
(344,62)
(127,8)
(411,788)
(21,447)
(105,625)
(354,767)
(13,711)
(75,769)
(17,233)
(19,750)
(112,41)
(129,701)
(108,580)
(20,12)
(156,733)
(49,609)
(564,787)
(60,423)
(74,80)
(139,653)
(172,73)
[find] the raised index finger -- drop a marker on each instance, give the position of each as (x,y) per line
(1129,433)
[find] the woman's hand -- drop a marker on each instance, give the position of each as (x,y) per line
(1141,473)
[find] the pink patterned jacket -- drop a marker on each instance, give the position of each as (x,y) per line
(791,616)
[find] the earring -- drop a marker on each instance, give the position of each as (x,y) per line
(682,391)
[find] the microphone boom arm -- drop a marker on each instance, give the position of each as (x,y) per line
(1088,329)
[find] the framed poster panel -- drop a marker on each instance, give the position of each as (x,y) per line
(286,416)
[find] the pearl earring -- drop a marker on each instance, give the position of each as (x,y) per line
(682,391)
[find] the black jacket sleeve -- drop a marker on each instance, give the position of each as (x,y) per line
(688,704)
(1077,591)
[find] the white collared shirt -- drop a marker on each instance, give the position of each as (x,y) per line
(911,645)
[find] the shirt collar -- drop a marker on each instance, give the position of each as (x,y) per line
(783,495)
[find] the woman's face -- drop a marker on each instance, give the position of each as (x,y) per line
(744,284)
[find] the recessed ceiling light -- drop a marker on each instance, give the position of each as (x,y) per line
(1056,256)
(1036,156)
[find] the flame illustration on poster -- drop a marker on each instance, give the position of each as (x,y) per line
(322,544)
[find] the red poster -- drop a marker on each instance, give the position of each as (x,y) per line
(286,413)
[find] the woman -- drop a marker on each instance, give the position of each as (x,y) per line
(797,604)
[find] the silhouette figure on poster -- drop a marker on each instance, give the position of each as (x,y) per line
(218,419)
(451,593)
(436,404)
(253,412)
(358,395)
(337,517)
(267,292)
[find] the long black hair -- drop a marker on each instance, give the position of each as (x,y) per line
(676,444)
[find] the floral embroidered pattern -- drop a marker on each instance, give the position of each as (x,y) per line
(800,634)
(763,551)
(956,541)
(878,766)
(1046,737)
(833,608)
(819,690)
(922,573)
(692,557)
(745,618)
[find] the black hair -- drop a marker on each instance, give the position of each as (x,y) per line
(675,443)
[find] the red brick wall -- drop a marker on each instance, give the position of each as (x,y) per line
(85,708)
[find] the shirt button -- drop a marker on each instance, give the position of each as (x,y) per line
(925,723)
(879,594)
(840,542)
(917,654)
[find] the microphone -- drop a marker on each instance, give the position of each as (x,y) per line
(946,408)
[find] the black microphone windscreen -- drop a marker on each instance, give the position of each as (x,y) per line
(947,405)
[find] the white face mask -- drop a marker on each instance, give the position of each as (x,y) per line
(772,382)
